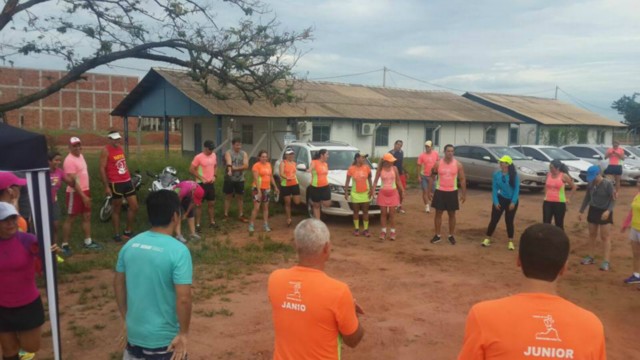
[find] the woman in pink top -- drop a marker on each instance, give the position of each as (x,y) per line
(389,196)
(191,195)
(615,155)
(21,310)
(555,199)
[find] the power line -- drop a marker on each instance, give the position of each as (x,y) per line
(347,75)
(427,82)
(582,101)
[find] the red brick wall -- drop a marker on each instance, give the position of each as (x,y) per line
(85,104)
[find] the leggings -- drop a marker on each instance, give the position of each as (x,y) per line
(497,214)
(554,210)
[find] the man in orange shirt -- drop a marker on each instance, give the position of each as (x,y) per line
(313,314)
(536,323)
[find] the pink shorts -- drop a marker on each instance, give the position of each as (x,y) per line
(388,197)
(75,205)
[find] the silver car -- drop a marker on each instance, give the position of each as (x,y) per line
(595,155)
(481,161)
(547,153)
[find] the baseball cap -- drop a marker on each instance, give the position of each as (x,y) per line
(388,157)
(7,210)
(592,172)
(74,140)
(289,151)
(428,143)
(114,135)
(8,179)
(209,145)
(360,154)
(506,159)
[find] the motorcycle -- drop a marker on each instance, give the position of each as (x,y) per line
(107,209)
(165,180)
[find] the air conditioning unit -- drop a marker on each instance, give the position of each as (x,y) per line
(304,128)
(367,129)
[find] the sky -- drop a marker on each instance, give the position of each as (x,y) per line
(590,50)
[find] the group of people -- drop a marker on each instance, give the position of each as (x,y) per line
(312,313)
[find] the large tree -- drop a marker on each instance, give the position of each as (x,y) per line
(251,56)
(629,108)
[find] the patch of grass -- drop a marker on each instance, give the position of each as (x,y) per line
(99,326)
(225,299)
(82,334)
(214,312)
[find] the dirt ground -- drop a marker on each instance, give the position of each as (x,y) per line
(416,295)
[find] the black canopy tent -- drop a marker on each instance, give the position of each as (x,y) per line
(21,150)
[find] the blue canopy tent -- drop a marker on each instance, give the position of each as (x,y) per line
(21,150)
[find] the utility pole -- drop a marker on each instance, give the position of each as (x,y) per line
(556,96)
(384,76)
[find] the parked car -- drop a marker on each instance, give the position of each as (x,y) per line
(546,153)
(340,158)
(595,155)
(481,161)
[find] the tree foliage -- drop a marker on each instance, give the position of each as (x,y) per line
(252,57)
(629,108)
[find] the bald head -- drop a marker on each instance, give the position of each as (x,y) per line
(311,235)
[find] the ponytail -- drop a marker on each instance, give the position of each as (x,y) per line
(512,176)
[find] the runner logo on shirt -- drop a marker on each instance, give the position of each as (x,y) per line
(549,334)
(296,296)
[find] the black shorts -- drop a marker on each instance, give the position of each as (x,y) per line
(318,194)
(22,318)
(445,200)
(613,170)
(122,189)
(595,216)
(209,191)
(293,190)
(233,187)
(185,206)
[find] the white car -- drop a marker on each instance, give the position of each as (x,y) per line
(546,153)
(340,158)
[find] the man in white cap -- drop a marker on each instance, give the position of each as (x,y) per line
(426,160)
(78,203)
(117,181)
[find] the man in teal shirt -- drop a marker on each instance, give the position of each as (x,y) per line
(153,285)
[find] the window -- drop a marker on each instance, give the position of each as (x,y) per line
(581,152)
(479,153)
(601,135)
(490,135)
(535,154)
(514,134)
(321,133)
(433,134)
(302,157)
(583,136)
(247,134)
(462,151)
(382,136)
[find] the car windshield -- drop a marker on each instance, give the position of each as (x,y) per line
(635,151)
(558,154)
(503,150)
(340,159)
(601,149)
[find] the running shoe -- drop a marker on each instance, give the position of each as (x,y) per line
(126,235)
(195,237)
(365,233)
(117,238)
(510,246)
(93,246)
(198,228)
(632,280)
(400,210)
(587,260)
(452,240)
(243,219)
(392,235)
(181,239)
(486,242)
(267,228)
(213,225)
(356,232)
(66,250)
(427,208)
(251,229)
(383,235)
(59,259)
(604,266)
(26,355)
(436,239)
